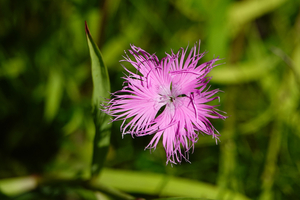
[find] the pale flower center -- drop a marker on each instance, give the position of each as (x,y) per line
(169,98)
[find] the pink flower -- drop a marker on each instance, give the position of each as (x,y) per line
(167,99)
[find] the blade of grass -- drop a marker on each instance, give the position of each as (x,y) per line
(228,164)
(101,90)
(287,99)
(53,94)
(151,183)
(94,185)
(246,11)
(15,186)
(244,72)
(178,198)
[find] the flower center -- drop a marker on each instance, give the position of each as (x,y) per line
(168,95)
(172,99)
(169,98)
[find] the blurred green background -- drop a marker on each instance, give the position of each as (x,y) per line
(46,87)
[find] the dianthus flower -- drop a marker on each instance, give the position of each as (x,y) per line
(166,98)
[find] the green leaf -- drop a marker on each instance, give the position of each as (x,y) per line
(110,191)
(163,185)
(182,198)
(101,90)
(54,93)
(15,186)
(243,72)
(242,12)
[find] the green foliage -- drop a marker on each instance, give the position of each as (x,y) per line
(101,90)
(49,138)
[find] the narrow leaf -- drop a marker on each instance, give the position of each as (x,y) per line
(53,94)
(182,198)
(116,194)
(242,12)
(101,90)
(15,186)
(163,185)
(243,73)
